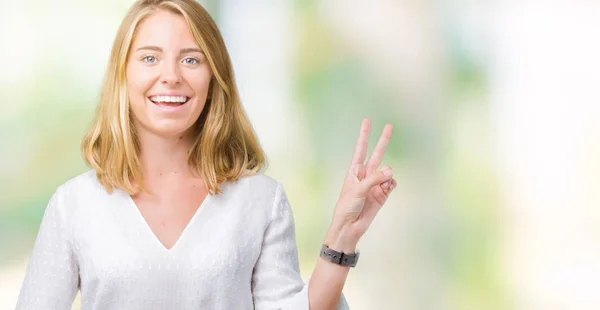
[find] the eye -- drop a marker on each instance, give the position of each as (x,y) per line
(149,59)
(190,61)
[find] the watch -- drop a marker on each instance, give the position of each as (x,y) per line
(339,258)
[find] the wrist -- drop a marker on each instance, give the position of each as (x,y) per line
(338,238)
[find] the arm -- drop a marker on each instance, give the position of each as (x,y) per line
(52,275)
(364,192)
(276,281)
(327,280)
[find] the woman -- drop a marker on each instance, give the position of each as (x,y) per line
(175,213)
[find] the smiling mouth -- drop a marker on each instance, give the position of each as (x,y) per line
(169,101)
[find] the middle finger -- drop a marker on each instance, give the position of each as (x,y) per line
(377,155)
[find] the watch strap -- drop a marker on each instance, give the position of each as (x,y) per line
(339,258)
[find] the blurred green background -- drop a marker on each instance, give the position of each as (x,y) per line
(494,149)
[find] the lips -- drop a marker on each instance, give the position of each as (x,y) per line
(169,103)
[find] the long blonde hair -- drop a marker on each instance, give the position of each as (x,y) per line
(225,146)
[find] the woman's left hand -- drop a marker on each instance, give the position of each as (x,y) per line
(364,192)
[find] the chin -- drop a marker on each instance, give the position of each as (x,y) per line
(171,130)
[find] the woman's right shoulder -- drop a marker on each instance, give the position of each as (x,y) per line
(84,181)
(84,185)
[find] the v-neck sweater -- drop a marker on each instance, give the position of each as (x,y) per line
(237,252)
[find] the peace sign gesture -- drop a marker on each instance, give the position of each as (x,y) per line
(365,188)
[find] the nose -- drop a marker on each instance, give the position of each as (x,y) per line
(170,74)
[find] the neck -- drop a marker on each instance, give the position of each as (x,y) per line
(164,156)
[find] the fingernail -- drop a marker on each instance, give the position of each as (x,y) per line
(387,173)
(386,184)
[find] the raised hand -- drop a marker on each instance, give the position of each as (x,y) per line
(365,189)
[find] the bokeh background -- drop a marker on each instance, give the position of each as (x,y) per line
(496,145)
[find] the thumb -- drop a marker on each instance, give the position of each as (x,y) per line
(373,179)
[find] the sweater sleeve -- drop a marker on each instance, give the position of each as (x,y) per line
(52,275)
(276,281)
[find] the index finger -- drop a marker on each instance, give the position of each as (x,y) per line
(360,151)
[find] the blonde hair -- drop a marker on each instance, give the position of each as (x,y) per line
(225,146)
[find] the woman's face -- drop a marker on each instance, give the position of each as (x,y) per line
(168,76)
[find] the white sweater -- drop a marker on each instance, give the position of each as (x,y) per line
(238,252)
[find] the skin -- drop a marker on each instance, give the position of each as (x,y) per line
(163,68)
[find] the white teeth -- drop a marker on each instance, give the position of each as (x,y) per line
(180,99)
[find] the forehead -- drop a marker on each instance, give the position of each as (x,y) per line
(165,29)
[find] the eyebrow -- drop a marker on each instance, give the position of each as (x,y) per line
(182,51)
